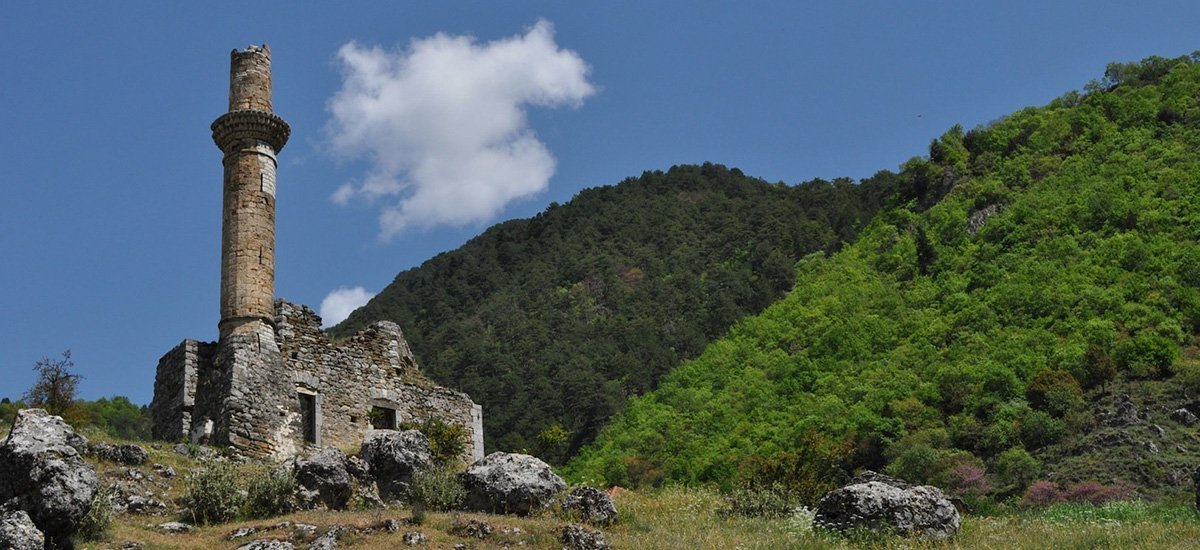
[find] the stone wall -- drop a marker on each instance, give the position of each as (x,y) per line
(248,390)
(175,388)
(373,368)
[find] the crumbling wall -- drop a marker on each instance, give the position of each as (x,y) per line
(372,368)
(175,383)
(247,390)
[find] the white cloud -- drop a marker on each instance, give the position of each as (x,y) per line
(443,124)
(338,304)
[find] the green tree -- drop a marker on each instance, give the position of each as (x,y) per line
(1016,469)
(1054,391)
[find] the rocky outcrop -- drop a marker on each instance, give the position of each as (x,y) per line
(328,541)
(1184,416)
(591,505)
(510,483)
(575,537)
(323,479)
(394,457)
(42,473)
(1124,414)
(18,532)
(268,544)
(471,528)
(129,455)
(883,504)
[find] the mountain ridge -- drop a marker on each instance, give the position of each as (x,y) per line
(1048,254)
(551,322)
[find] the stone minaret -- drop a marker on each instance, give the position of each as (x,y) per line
(250,136)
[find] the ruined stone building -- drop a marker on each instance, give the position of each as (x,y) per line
(274,383)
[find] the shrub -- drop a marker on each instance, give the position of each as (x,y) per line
(1016,468)
(759,501)
(436,489)
(552,443)
(212,494)
(270,494)
(965,479)
(915,464)
(1054,391)
(1146,355)
(95,524)
(1188,376)
(1042,493)
(1092,492)
(816,467)
(644,472)
(1039,429)
(1098,366)
(447,440)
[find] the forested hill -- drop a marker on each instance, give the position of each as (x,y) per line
(1039,321)
(552,322)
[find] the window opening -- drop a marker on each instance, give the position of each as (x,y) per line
(383,418)
(308,416)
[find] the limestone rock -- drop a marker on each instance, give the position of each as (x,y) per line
(130,455)
(472,528)
(880,506)
(510,483)
(42,473)
(1184,416)
(267,544)
(18,532)
(1126,413)
(575,537)
(394,457)
(415,538)
(592,505)
(174,527)
(328,541)
(868,475)
(323,480)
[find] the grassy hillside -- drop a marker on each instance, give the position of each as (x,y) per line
(982,332)
(552,322)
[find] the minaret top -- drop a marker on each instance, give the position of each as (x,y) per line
(250,117)
(250,79)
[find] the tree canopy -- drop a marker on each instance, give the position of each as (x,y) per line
(1029,260)
(551,323)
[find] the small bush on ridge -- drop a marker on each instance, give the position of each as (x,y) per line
(213,494)
(759,501)
(1042,493)
(967,479)
(95,524)
(436,489)
(1092,492)
(270,494)
(447,440)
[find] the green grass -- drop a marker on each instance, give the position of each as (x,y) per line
(1116,512)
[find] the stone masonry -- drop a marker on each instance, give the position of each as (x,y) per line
(274,383)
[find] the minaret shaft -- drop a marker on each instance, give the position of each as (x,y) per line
(250,135)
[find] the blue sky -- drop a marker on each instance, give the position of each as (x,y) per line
(110,216)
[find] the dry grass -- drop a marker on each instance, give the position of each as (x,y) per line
(676,518)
